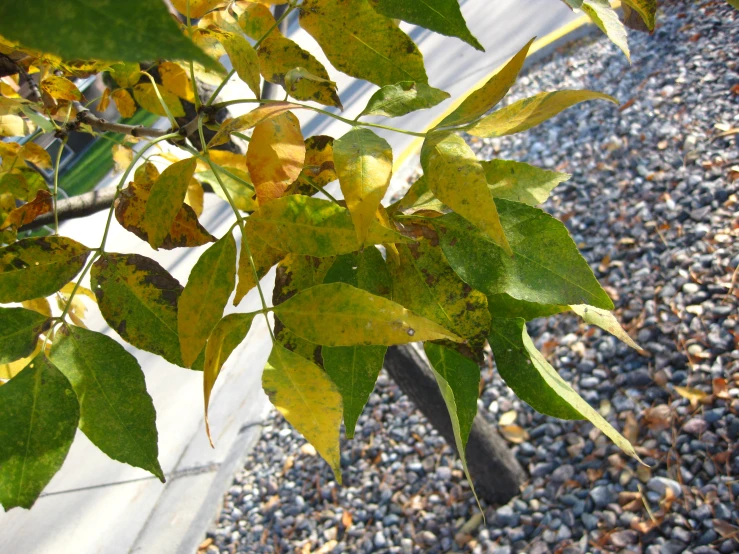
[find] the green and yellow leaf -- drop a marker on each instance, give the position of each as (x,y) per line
(125,74)
(278,55)
(263,256)
(257,21)
(403,98)
(146,97)
(60,88)
(521,182)
(319,169)
(303,85)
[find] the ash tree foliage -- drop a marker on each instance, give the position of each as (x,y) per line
(463,260)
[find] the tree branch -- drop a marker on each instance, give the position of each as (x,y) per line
(87,117)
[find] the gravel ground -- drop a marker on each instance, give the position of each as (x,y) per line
(653,206)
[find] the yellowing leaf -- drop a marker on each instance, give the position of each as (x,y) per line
(122,157)
(605,320)
(125,74)
(32,152)
(313,227)
(307,398)
(521,182)
(165,200)
(256,21)
(146,97)
(249,120)
(225,337)
(15,126)
(198,8)
(279,55)
(124,103)
(237,183)
(362,43)
(29,211)
(60,88)
(457,179)
(195,197)
(263,256)
(40,305)
(69,287)
(484,99)
(403,98)
(364,164)
(243,59)
(605,17)
(303,85)
(275,156)
(175,80)
(646,10)
(692,394)
(205,296)
(338,314)
(530,112)
(319,169)
(145,175)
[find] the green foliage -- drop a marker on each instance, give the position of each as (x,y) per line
(466,257)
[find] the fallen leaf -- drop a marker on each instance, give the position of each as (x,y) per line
(514,434)
(507,418)
(720,388)
(693,395)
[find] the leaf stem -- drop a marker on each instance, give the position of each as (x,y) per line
(56,183)
(319,188)
(192,66)
(171,118)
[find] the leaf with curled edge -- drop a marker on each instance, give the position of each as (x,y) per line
(28,212)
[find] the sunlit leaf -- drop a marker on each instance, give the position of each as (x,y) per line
(25,214)
(354,369)
(457,179)
(125,74)
(364,164)
(122,157)
(116,411)
(249,120)
(605,17)
(176,80)
(74,31)
(166,199)
(442,16)
(263,256)
(32,152)
(546,267)
(15,126)
(275,156)
(19,332)
(60,88)
(205,296)
(521,182)
(504,305)
(605,320)
(146,97)
(225,337)
(530,112)
(195,197)
(308,399)
(256,21)
(362,43)
(38,267)
(197,8)
(278,55)
(124,102)
(338,314)
(313,227)
(237,183)
(39,414)
(403,98)
(40,305)
(244,60)
(319,169)
(536,382)
(303,85)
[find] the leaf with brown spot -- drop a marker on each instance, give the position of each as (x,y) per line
(145,175)
(32,152)
(26,213)
(60,88)
(249,120)
(243,58)
(204,298)
(303,85)
(275,156)
(38,267)
(278,55)
(319,165)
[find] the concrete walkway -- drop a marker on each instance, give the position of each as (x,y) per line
(96,505)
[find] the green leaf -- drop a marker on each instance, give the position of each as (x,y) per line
(313,227)
(19,332)
(166,199)
(458,378)
(537,383)
(521,182)
(441,16)
(303,85)
(338,314)
(278,55)
(487,97)
(530,112)
(364,164)
(362,43)
(545,268)
(606,321)
(201,305)
(354,369)
(225,337)
(307,398)
(263,255)
(424,283)
(403,98)
(455,176)
(131,31)
(146,97)
(505,306)
(138,299)
(39,414)
(37,267)
(116,411)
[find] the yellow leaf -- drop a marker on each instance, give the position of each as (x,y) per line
(530,112)
(29,211)
(195,197)
(15,126)
(303,85)
(302,392)
(40,305)
(319,166)
(207,40)
(122,157)
(338,314)
(256,21)
(279,55)
(166,199)
(275,156)
(176,81)
(225,337)
(124,103)
(457,179)
(224,158)
(263,255)
(605,320)
(514,434)
(125,74)
(484,99)
(249,120)
(104,101)
(60,88)
(507,418)
(693,395)
(364,164)
(198,8)
(69,287)
(33,153)
(146,175)
(243,59)
(146,97)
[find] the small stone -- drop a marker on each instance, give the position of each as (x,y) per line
(426,538)
(695,426)
(622,539)
(682,535)
(601,496)
(661,484)
(563,473)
